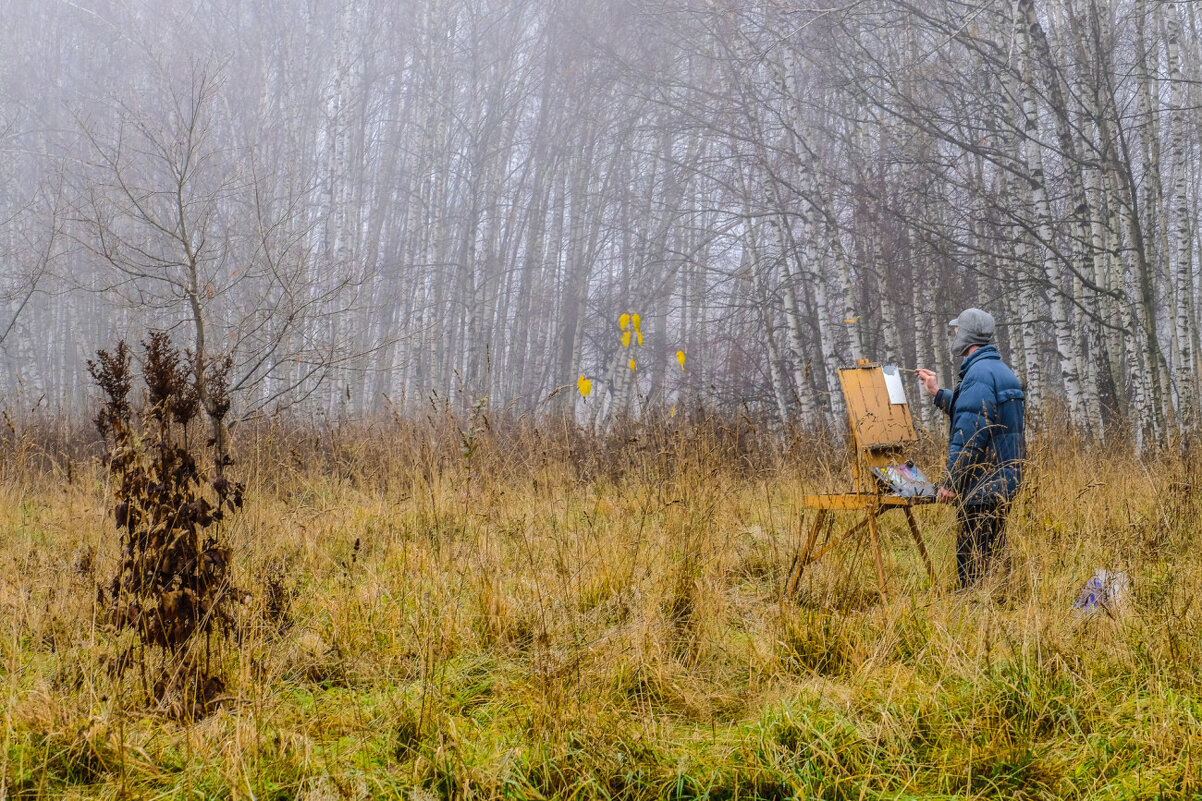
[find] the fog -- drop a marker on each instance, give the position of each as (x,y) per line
(376,205)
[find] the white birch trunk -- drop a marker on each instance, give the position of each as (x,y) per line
(1184,319)
(801,365)
(1031,151)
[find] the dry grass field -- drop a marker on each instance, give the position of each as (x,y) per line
(541,613)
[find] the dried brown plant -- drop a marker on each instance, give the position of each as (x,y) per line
(172,585)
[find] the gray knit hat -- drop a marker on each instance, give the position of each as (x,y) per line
(975,328)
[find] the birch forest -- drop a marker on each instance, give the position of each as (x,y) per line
(371,205)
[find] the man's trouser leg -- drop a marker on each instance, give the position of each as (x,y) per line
(981,539)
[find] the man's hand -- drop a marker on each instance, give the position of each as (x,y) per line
(944,495)
(929,382)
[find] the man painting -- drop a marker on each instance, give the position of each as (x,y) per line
(985,447)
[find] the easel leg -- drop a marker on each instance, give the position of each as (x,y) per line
(876,552)
(922,548)
(801,558)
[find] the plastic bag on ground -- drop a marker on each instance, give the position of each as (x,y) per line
(1106,591)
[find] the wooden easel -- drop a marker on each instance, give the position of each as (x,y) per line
(879,433)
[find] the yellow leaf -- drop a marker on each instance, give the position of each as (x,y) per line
(850,320)
(584,385)
(626,339)
(673,410)
(680,358)
(635,320)
(640,337)
(624,321)
(632,364)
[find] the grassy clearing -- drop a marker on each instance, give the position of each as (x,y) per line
(556,615)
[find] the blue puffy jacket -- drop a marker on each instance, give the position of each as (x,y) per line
(986,447)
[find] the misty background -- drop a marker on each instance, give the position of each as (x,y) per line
(377,204)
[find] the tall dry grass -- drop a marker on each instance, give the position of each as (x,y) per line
(463,606)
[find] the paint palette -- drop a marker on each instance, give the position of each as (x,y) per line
(904,480)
